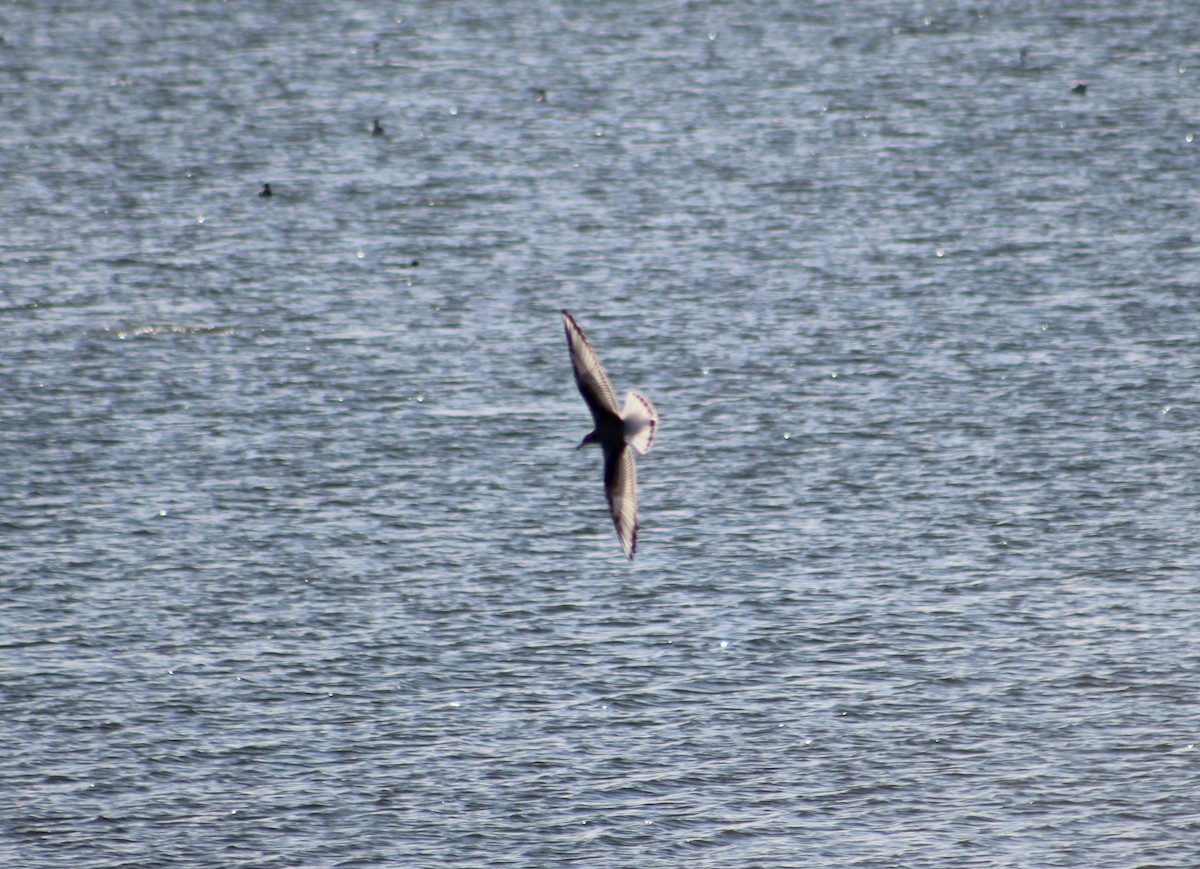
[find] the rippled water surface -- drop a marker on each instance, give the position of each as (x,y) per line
(300,567)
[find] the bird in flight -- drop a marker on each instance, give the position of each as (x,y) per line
(615,429)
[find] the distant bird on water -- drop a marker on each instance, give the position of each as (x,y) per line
(376,128)
(265,190)
(615,429)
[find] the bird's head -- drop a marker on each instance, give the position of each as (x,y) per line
(589,438)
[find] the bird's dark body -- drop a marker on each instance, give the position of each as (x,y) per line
(609,431)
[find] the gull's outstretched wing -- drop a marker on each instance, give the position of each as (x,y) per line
(620,485)
(589,376)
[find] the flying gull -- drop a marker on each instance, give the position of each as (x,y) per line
(615,429)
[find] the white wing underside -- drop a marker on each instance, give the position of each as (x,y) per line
(620,484)
(589,375)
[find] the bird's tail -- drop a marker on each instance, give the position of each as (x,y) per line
(641,421)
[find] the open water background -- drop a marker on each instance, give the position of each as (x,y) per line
(299,567)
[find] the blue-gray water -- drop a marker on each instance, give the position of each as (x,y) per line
(300,568)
